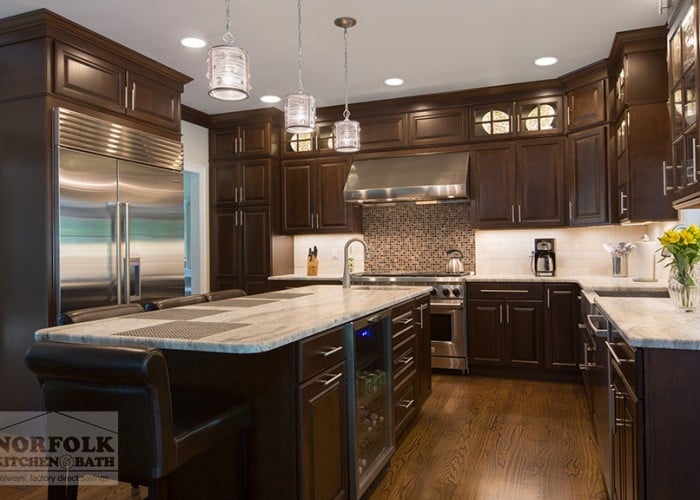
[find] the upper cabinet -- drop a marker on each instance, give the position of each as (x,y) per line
(438,127)
(585,106)
(642,130)
(249,139)
(680,175)
(521,118)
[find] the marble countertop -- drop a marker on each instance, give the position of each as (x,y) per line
(304,277)
(250,324)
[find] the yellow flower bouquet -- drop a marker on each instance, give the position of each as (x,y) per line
(682,251)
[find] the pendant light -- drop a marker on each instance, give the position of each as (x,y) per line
(227,68)
(347,131)
(299,108)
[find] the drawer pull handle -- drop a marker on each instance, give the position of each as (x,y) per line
(406,403)
(614,354)
(502,291)
(403,321)
(401,332)
(404,360)
(331,351)
(332,378)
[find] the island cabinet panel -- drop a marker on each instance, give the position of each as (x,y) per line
(585,106)
(438,127)
(505,324)
(561,326)
(323,423)
(587,174)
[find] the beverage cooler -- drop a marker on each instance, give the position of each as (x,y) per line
(370,406)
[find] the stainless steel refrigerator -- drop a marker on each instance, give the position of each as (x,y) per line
(120,214)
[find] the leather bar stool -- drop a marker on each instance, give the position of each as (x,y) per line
(158,433)
(225,294)
(187,300)
(99,312)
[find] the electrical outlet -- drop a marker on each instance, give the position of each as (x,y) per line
(334,253)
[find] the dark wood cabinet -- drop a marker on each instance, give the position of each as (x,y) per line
(526,117)
(505,324)
(421,314)
(383,132)
(404,367)
(561,326)
(95,80)
(626,454)
(585,106)
(323,423)
(586,174)
(518,184)
(438,127)
(312,197)
(250,139)
(242,182)
(241,248)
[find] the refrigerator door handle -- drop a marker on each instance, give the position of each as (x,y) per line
(127,253)
(118,245)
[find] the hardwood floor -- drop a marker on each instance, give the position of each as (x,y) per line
(484,438)
(477,438)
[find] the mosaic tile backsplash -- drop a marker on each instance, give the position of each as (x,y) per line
(410,237)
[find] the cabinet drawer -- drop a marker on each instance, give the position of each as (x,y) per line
(516,291)
(320,352)
(405,404)
(404,359)
(402,327)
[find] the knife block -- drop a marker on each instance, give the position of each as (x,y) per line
(312,267)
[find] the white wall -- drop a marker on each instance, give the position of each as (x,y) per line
(195,140)
(328,245)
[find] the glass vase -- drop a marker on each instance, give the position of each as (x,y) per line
(683,289)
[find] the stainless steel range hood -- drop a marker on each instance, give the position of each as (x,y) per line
(422,178)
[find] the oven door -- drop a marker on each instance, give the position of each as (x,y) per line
(448,334)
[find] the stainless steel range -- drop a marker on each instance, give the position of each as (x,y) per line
(448,314)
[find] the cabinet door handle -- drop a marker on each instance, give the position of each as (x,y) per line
(236,216)
(571,210)
(520,214)
(496,290)
(663,178)
(331,350)
(332,377)
(241,217)
(623,209)
(318,221)
(241,198)
(126,97)
(568,113)
(235,194)
(615,356)
(242,139)
(404,360)
(133,95)
(507,314)
(512,214)
(406,403)
(695,161)
(517,126)
(406,321)
(500,313)
(549,298)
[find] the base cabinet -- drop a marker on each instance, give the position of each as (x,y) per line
(561,326)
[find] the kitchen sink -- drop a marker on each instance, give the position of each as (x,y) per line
(654,293)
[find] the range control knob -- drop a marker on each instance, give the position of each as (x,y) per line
(446,292)
(433,292)
(456,292)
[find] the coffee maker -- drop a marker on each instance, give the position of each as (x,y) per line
(545,262)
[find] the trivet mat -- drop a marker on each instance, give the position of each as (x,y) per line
(184,330)
(239,302)
(284,295)
(176,314)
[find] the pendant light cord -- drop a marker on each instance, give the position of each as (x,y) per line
(299,70)
(228,37)
(346,113)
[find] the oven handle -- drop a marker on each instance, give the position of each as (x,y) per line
(434,304)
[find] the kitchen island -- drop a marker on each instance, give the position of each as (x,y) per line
(275,349)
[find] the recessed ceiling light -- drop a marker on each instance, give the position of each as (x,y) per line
(193,43)
(393,82)
(546,61)
(270,99)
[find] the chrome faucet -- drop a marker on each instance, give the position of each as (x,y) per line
(346,271)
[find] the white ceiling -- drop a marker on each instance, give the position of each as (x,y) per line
(436,46)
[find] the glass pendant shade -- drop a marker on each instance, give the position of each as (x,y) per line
(347,136)
(228,73)
(299,113)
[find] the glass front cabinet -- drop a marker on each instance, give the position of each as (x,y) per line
(682,70)
(521,118)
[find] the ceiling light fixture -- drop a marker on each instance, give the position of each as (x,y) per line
(227,68)
(192,42)
(546,61)
(270,99)
(393,82)
(347,131)
(299,108)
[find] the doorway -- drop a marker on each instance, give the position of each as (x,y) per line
(196,229)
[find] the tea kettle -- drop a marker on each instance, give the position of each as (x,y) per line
(454,265)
